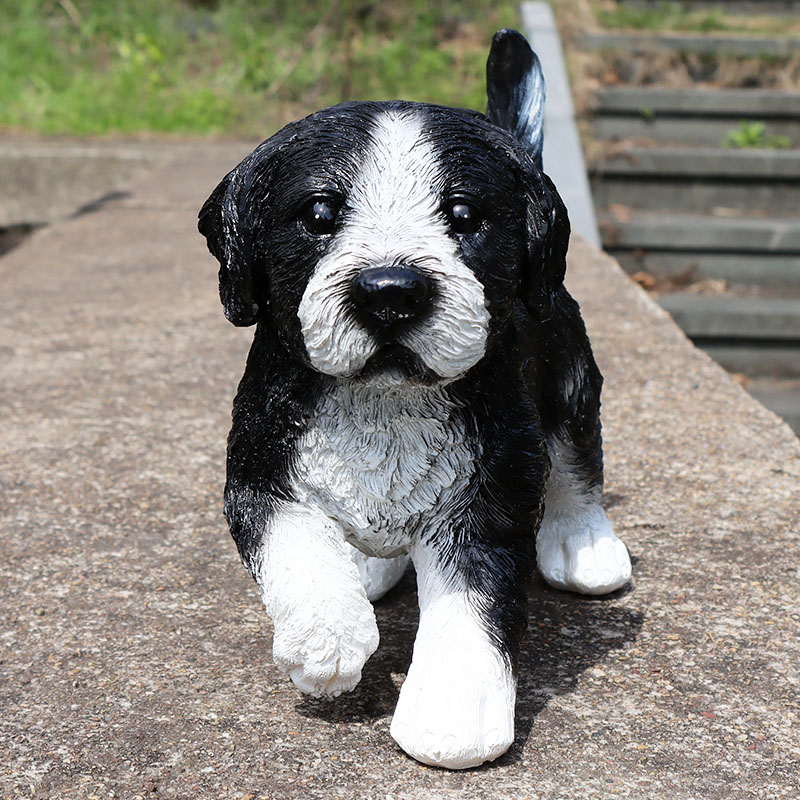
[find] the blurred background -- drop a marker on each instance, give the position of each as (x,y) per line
(689,115)
(231,67)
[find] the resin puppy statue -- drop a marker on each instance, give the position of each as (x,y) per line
(420,386)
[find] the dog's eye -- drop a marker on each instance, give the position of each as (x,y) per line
(319,215)
(464,217)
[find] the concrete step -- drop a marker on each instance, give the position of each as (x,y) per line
(707,162)
(780,396)
(700,180)
(743,46)
(754,7)
(757,336)
(729,317)
(692,116)
(692,233)
(52,179)
(700,208)
(754,358)
(761,103)
(770,269)
(55,178)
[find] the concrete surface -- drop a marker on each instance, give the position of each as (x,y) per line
(48,179)
(745,46)
(135,657)
(735,317)
(690,116)
(782,396)
(700,180)
(776,270)
(693,232)
(704,162)
(736,104)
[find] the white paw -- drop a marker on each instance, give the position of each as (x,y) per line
(456,707)
(324,653)
(454,720)
(378,575)
(325,627)
(580,552)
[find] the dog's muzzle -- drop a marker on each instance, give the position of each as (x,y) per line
(390,296)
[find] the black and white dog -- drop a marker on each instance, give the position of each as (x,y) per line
(420,386)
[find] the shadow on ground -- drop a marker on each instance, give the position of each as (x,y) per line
(567,634)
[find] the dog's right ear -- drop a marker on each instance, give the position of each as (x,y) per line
(222,221)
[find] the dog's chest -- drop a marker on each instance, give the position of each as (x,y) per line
(384,463)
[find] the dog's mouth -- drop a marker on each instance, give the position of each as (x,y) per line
(397,361)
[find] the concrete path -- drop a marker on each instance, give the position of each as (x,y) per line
(135,658)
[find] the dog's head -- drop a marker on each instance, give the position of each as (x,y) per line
(387,239)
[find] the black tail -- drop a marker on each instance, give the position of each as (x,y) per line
(515,88)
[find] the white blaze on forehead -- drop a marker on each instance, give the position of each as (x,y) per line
(394,217)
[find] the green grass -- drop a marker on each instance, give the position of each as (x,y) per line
(232,67)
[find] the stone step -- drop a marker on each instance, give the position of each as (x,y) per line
(717,317)
(768,269)
(54,178)
(52,181)
(692,116)
(742,46)
(733,103)
(754,7)
(709,131)
(754,358)
(757,336)
(706,162)
(693,233)
(780,396)
(751,7)
(700,180)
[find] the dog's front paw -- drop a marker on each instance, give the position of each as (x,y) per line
(454,723)
(324,652)
(581,553)
(456,708)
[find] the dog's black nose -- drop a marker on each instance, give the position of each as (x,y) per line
(385,295)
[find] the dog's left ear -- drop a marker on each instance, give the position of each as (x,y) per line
(222,221)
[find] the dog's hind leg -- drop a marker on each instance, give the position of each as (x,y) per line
(325,627)
(378,575)
(576,547)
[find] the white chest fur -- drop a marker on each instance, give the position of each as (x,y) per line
(383,462)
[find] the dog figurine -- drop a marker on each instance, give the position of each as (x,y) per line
(420,387)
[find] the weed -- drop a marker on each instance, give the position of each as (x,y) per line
(647,114)
(754,134)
